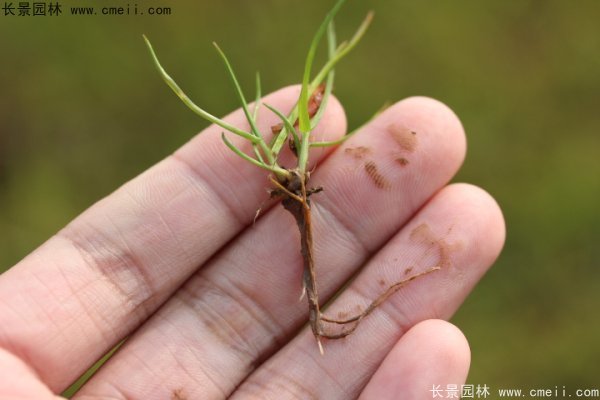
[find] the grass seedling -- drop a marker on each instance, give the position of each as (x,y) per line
(291,184)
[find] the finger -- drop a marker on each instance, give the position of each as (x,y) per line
(90,285)
(433,354)
(244,305)
(460,230)
(18,381)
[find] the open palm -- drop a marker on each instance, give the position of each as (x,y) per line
(207,298)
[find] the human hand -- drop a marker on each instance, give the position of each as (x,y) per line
(208,300)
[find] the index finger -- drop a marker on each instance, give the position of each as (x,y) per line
(96,280)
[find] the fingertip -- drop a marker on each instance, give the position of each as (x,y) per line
(428,107)
(432,353)
(436,120)
(448,345)
(490,229)
(19,381)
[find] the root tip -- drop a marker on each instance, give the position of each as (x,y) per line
(320,346)
(302,293)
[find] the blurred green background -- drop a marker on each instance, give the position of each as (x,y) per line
(83,110)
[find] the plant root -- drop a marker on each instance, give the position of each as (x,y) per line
(295,199)
(374,304)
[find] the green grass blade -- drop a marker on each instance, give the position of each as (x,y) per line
(238,90)
(275,169)
(249,117)
(191,105)
(303,117)
(345,47)
(349,135)
(339,53)
(331,49)
(286,123)
(257,101)
(334,142)
(257,152)
(279,140)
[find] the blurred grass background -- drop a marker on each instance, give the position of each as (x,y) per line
(82,110)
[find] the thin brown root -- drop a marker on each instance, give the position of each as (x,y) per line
(384,296)
(303,291)
(314,190)
(343,321)
(320,345)
(256,215)
(341,335)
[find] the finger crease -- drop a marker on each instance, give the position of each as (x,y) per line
(118,266)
